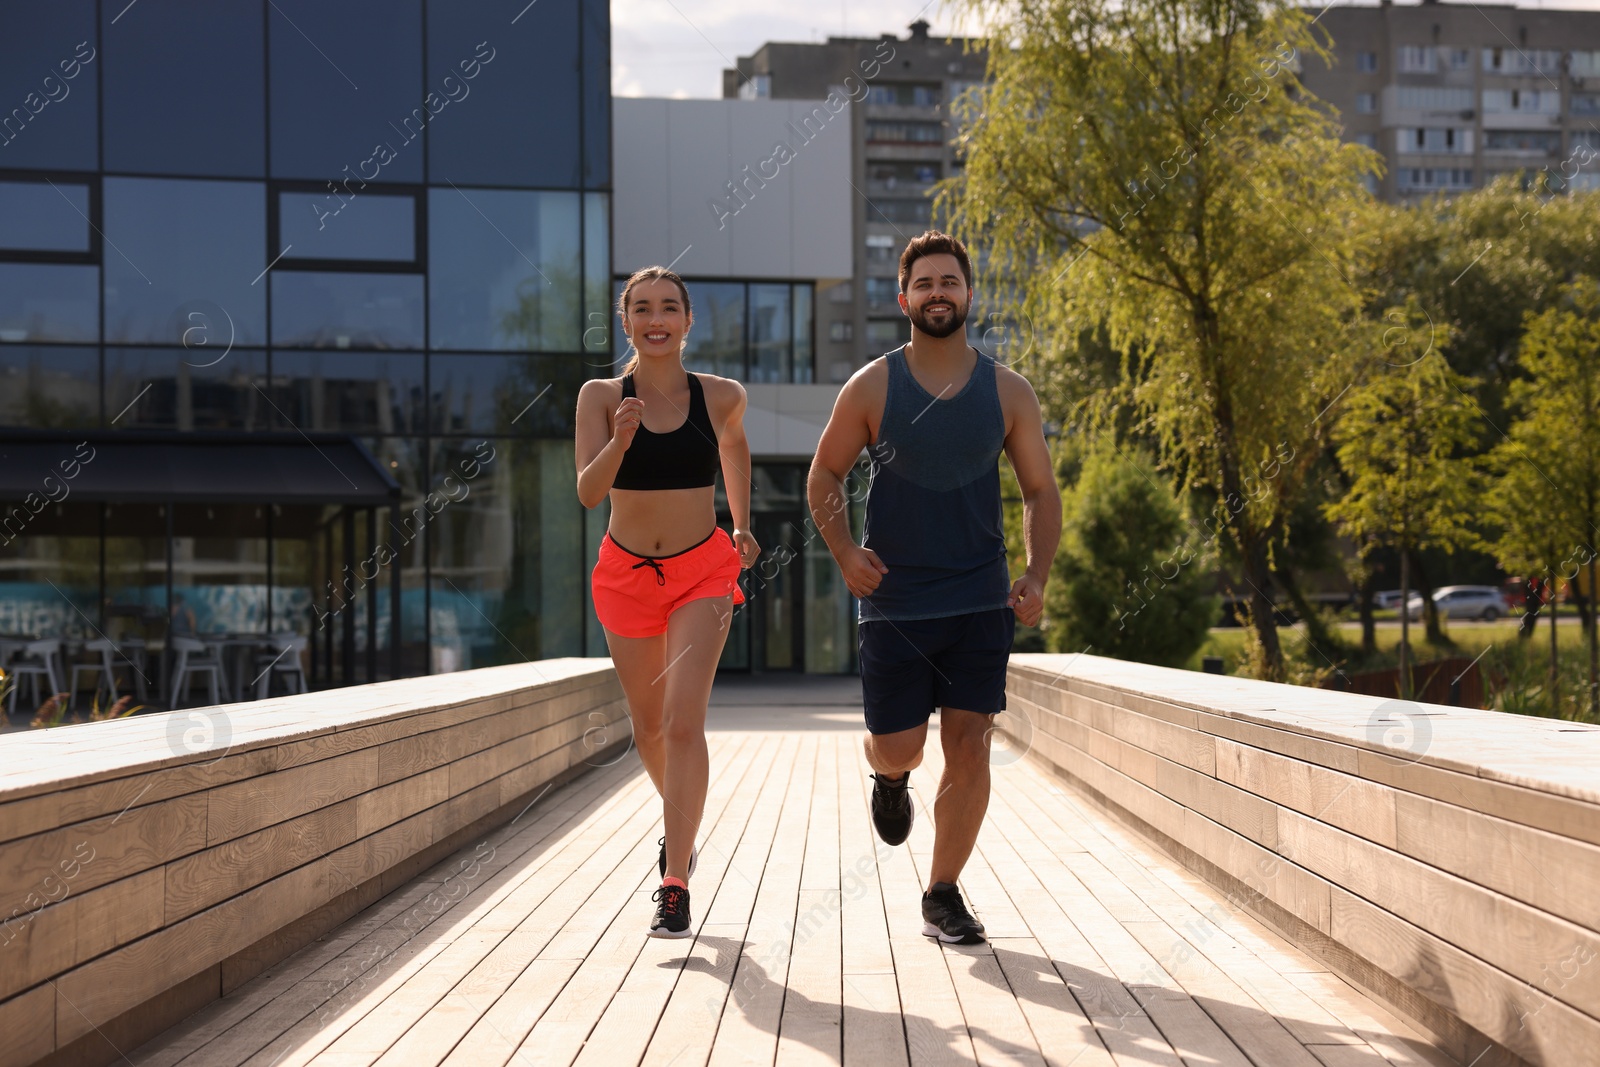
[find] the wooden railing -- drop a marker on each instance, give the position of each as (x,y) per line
(1445,859)
(151,865)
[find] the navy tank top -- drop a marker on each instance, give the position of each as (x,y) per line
(685,458)
(933,509)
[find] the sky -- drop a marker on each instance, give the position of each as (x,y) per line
(678,48)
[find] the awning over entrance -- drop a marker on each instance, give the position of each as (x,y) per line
(200,468)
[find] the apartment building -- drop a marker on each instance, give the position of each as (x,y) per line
(1454,95)
(899,130)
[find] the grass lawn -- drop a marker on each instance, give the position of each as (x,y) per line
(1228,642)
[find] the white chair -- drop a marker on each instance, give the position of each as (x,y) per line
(36,661)
(195,658)
(105,669)
(283,660)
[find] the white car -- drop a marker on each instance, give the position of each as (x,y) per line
(1464,602)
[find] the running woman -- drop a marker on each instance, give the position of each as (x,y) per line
(667,577)
(937,604)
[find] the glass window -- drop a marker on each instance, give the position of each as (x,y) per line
(176,248)
(49,388)
(44,217)
(355,66)
(716,340)
(1366,103)
(352,392)
(507,552)
(176,389)
(771,333)
(598,302)
(804,350)
(49,75)
(883,292)
(1460,58)
(1367,62)
(905,132)
(503,269)
(349,224)
(596,92)
(184,88)
(891,332)
(486,83)
(49,302)
(505,394)
(324,309)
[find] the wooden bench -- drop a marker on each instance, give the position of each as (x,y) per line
(151,865)
(1446,859)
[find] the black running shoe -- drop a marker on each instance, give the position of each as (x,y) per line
(672,912)
(945,916)
(892,810)
(694,859)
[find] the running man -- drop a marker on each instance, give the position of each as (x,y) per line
(937,605)
(667,577)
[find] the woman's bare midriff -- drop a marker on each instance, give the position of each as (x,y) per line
(661,522)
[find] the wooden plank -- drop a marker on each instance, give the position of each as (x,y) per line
(386,947)
(811,1030)
(995,1022)
(1120,1020)
(1064,1034)
(60,936)
(538,909)
(874,1028)
(747,1031)
(615,1009)
(864,928)
(1390,1036)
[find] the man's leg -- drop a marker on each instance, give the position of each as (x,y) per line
(895,754)
(963,791)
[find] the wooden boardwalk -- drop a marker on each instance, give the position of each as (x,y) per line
(530,947)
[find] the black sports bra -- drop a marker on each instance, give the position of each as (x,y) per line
(686,458)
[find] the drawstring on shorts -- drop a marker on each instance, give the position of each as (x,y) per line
(661,576)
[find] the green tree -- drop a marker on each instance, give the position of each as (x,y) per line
(1139,166)
(1401,443)
(1481,263)
(1550,461)
(1133,576)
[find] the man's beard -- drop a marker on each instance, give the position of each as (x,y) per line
(951,323)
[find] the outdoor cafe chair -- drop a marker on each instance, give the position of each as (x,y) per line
(36,662)
(194,657)
(283,660)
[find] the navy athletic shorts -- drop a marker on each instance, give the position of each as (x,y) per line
(911,666)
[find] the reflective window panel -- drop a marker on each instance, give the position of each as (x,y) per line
(49,302)
(324,309)
(598,316)
(507,549)
(44,216)
(504,270)
(49,387)
(717,339)
(352,392)
(804,353)
(341,74)
(771,333)
(506,394)
(596,92)
(49,76)
(502,93)
(182,258)
(186,389)
(184,87)
(339,225)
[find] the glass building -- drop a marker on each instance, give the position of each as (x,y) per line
(315,285)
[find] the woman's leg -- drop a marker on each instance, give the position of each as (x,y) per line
(640,662)
(695,636)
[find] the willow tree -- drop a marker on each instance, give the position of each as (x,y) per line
(1405,443)
(1150,167)
(1553,450)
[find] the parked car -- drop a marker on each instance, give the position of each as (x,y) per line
(1464,602)
(1387,600)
